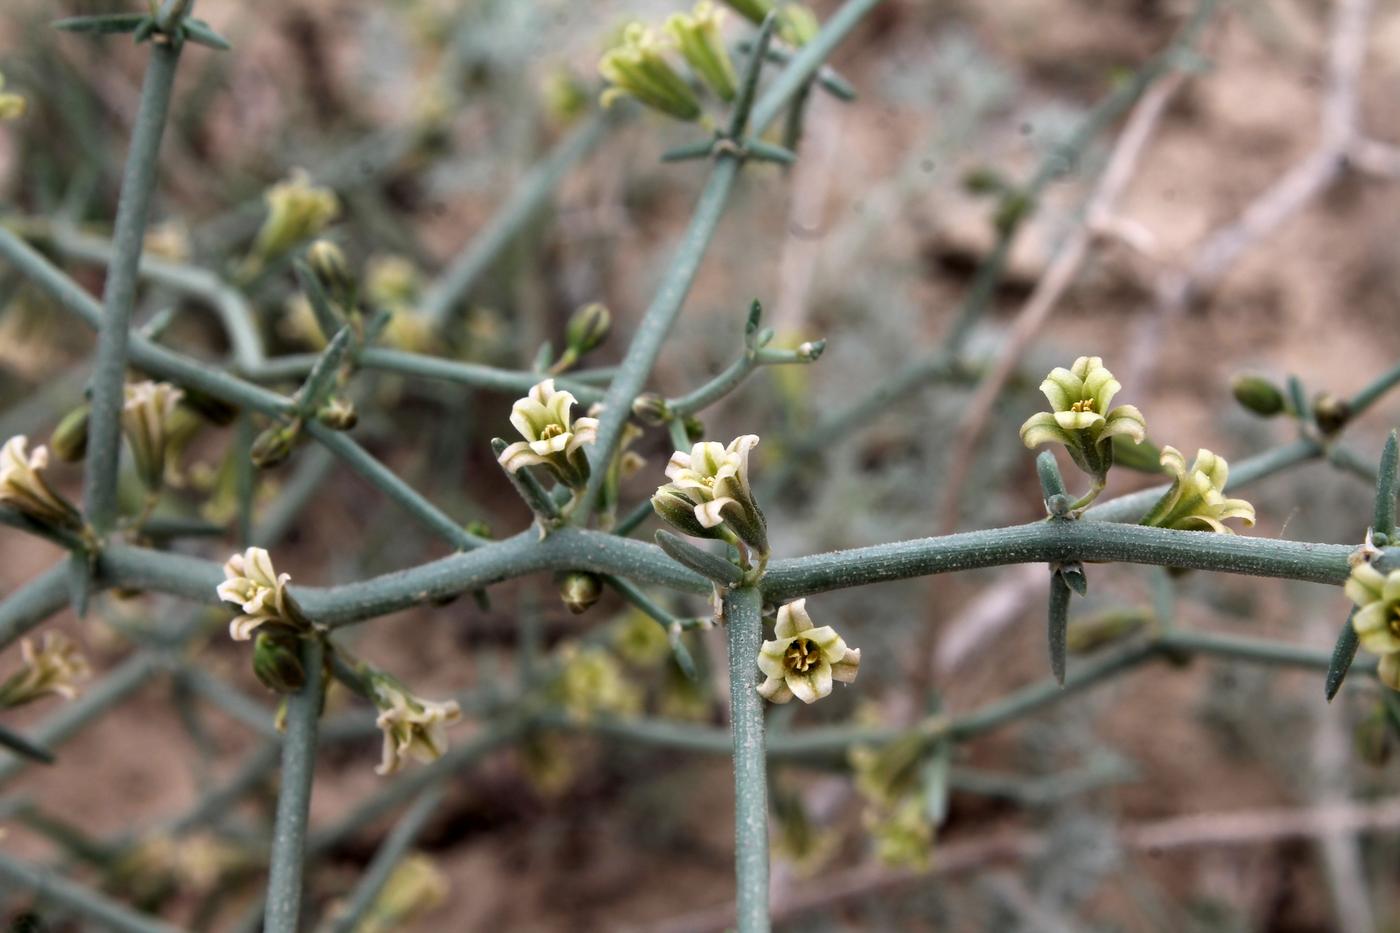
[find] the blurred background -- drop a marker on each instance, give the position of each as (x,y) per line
(1208,796)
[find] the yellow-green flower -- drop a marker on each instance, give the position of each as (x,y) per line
(804,660)
(797,24)
(1196,501)
(697,34)
(1080,415)
(413,727)
(553,437)
(903,834)
(638,68)
(1377,618)
(297,210)
(709,493)
(593,683)
(146,422)
(56,668)
(255,586)
(23,486)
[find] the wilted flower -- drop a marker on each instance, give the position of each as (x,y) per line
(12,106)
(146,421)
(415,887)
(57,668)
(412,726)
(274,444)
(22,486)
(1080,416)
(903,834)
(698,36)
(593,683)
(1195,501)
(338,413)
(260,591)
(296,210)
(637,67)
(803,660)
(1377,618)
(553,438)
(709,493)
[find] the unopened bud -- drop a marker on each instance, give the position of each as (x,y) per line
(1257,394)
(588,328)
(579,591)
(811,350)
(274,444)
(651,408)
(338,414)
(69,440)
(277,662)
(478,528)
(1331,413)
(328,262)
(694,429)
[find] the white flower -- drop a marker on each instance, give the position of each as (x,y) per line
(713,482)
(803,660)
(57,668)
(146,416)
(413,727)
(1196,501)
(553,438)
(22,486)
(254,586)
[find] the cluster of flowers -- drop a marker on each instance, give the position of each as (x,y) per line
(1084,420)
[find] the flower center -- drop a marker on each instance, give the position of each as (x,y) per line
(803,655)
(552,431)
(1085,404)
(1395,619)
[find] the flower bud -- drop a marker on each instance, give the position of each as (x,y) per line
(698,36)
(579,591)
(338,414)
(12,106)
(588,328)
(327,261)
(1257,394)
(277,662)
(651,409)
(274,445)
(637,67)
(23,487)
(69,440)
(694,429)
(1330,413)
(147,415)
(810,351)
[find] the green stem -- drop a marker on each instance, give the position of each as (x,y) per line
(743,607)
(1372,393)
(386,859)
(133,208)
(95,908)
(28,607)
(284,885)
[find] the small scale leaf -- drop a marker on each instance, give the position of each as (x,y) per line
(702,562)
(24,748)
(1342,655)
(198,31)
(1051,482)
(321,380)
(105,24)
(1059,623)
(1384,520)
(768,152)
(684,660)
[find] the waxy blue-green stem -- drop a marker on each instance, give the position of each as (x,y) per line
(119,297)
(284,883)
(743,608)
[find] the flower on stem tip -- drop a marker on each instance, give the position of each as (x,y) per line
(297,210)
(803,660)
(1195,501)
(637,67)
(413,727)
(1377,618)
(698,36)
(553,438)
(260,591)
(1080,416)
(23,487)
(146,421)
(709,494)
(55,668)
